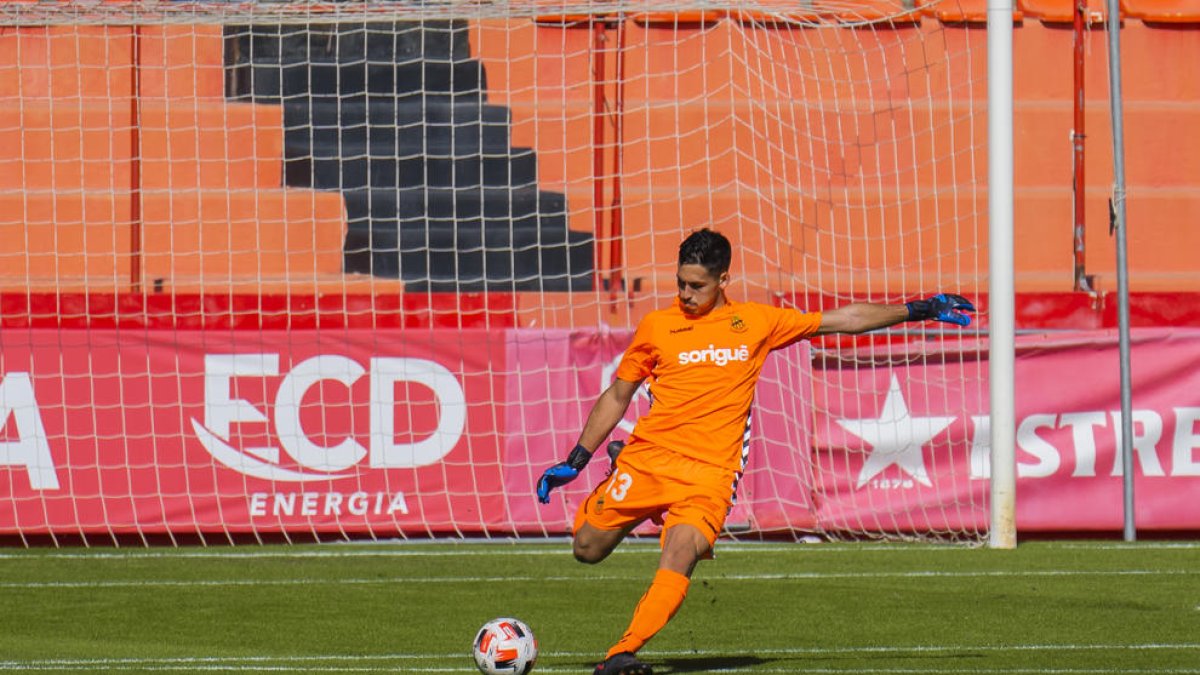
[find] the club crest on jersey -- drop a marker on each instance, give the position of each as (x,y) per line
(737,325)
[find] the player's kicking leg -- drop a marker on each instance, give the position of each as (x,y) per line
(623,664)
(683,546)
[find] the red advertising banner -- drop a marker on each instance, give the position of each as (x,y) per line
(444,431)
(241,431)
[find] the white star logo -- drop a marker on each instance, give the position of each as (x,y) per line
(895,438)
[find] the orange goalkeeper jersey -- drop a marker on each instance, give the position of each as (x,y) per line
(702,374)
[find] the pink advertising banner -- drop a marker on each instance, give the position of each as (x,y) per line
(1069,468)
(908,447)
(556,376)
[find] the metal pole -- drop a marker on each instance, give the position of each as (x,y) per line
(1118,216)
(1079,183)
(135,159)
(599,104)
(1001,305)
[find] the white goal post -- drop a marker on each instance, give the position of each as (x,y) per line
(1001,288)
(316,270)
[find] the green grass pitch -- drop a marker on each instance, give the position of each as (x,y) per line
(1077,607)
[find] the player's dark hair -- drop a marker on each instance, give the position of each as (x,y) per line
(708,248)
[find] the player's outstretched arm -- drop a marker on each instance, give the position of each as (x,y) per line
(606,413)
(861,317)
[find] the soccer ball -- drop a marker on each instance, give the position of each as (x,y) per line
(505,646)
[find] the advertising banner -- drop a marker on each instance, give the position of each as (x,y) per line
(907,446)
(442,431)
(240,431)
(556,376)
(1069,467)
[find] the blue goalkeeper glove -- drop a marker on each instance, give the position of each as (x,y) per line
(562,473)
(946,307)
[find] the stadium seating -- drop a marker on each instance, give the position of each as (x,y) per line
(1062,11)
(675,18)
(220,195)
(963,11)
(184,181)
(441,176)
(395,119)
(897,12)
(1163,11)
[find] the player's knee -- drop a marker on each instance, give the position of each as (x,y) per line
(591,545)
(588,552)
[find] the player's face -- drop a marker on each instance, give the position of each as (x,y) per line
(699,291)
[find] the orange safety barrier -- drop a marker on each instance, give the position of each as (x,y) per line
(97,61)
(98,185)
(699,16)
(1062,11)
(190,240)
(780,12)
(963,11)
(570,20)
(164,49)
(47,143)
(676,174)
(211,145)
(209,169)
(65,145)
(64,240)
(198,239)
(759,16)
(897,12)
(864,11)
(1165,11)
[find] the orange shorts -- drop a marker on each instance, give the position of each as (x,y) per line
(651,483)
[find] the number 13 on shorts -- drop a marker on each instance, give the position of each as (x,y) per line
(618,485)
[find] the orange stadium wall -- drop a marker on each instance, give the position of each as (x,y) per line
(1162,148)
(104,129)
(210,168)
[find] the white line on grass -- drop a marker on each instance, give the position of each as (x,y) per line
(397,662)
(553,669)
(1130,546)
(553,548)
(657,653)
(428,580)
(929,670)
(562,550)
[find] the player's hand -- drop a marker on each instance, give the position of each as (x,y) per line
(945,307)
(562,473)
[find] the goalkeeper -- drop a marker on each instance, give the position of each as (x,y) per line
(685,456)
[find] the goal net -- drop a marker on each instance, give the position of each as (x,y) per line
(278,270)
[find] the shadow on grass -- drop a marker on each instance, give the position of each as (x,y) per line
(847,663)
(704,664)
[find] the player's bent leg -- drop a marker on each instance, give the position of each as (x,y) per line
(592,544)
